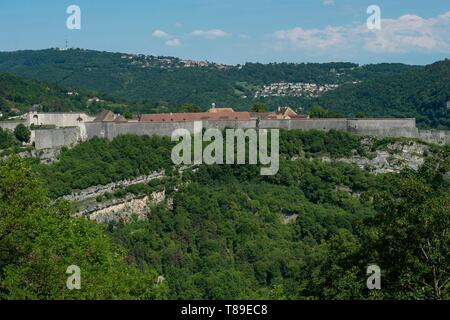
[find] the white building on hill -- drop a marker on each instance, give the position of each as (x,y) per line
(69,119)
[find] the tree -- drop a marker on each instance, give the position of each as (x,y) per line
(259,107)
(22,133)
(410,236)
(7,139)
(318,112)
(188,107)
(40,240)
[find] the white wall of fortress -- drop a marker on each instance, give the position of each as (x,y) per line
(11,125)
(58,119)
(55,138)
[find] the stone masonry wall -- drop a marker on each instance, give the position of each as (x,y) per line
(10,125)
(376,127)
(58,119)
(56,138)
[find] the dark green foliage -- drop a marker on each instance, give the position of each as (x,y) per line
(161,89)
(410,235)
(7,139)
(22,133)
(229,220)
(39,241)
(309,232)
(235,226)
(420,93)
(319,112)
(334,143)
(99,162)
(259,107)
(22,94)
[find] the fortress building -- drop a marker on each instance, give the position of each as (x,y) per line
(68,129)
(71,119)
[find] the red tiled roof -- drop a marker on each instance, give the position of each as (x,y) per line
(105,116)
(181,117)
(220,110)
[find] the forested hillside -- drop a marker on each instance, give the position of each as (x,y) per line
(19,94)
(421,93)
(143,84)
(167,79)
(308,232)
(161,79)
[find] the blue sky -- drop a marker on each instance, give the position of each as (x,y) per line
(232,31)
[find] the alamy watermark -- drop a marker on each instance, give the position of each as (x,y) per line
(231,149)
(74,280)
(374,280)
(73,22)
(374,20)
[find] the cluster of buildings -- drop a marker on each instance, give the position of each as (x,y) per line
(289,89)
(202,63)
(74,119)
(213,114)
(168,62)
(55,130)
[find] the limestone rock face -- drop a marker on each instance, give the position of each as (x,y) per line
(124,209)
(95,191)
(394,158)
(121,211)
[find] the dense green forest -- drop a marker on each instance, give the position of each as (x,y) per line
(11,141)
(308,232)
(39,240)
(422,94)
(99,162)
(21,94)
(18,95)
(144,84)
(228,240)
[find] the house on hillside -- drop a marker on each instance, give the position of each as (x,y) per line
(105,116)
(282,113)
(95,100)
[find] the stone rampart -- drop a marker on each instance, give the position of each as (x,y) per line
(10,125)
(55,138)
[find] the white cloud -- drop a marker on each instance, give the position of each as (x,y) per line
(328,2)
(161,34)
(175,42)
(171,41)
(312,38)
(408,33)
(210,34)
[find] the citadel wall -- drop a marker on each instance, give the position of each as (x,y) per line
(112,130)
(11,125)
(435,136)
(55,138)
(58,119)
(384,127)
(305,124)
